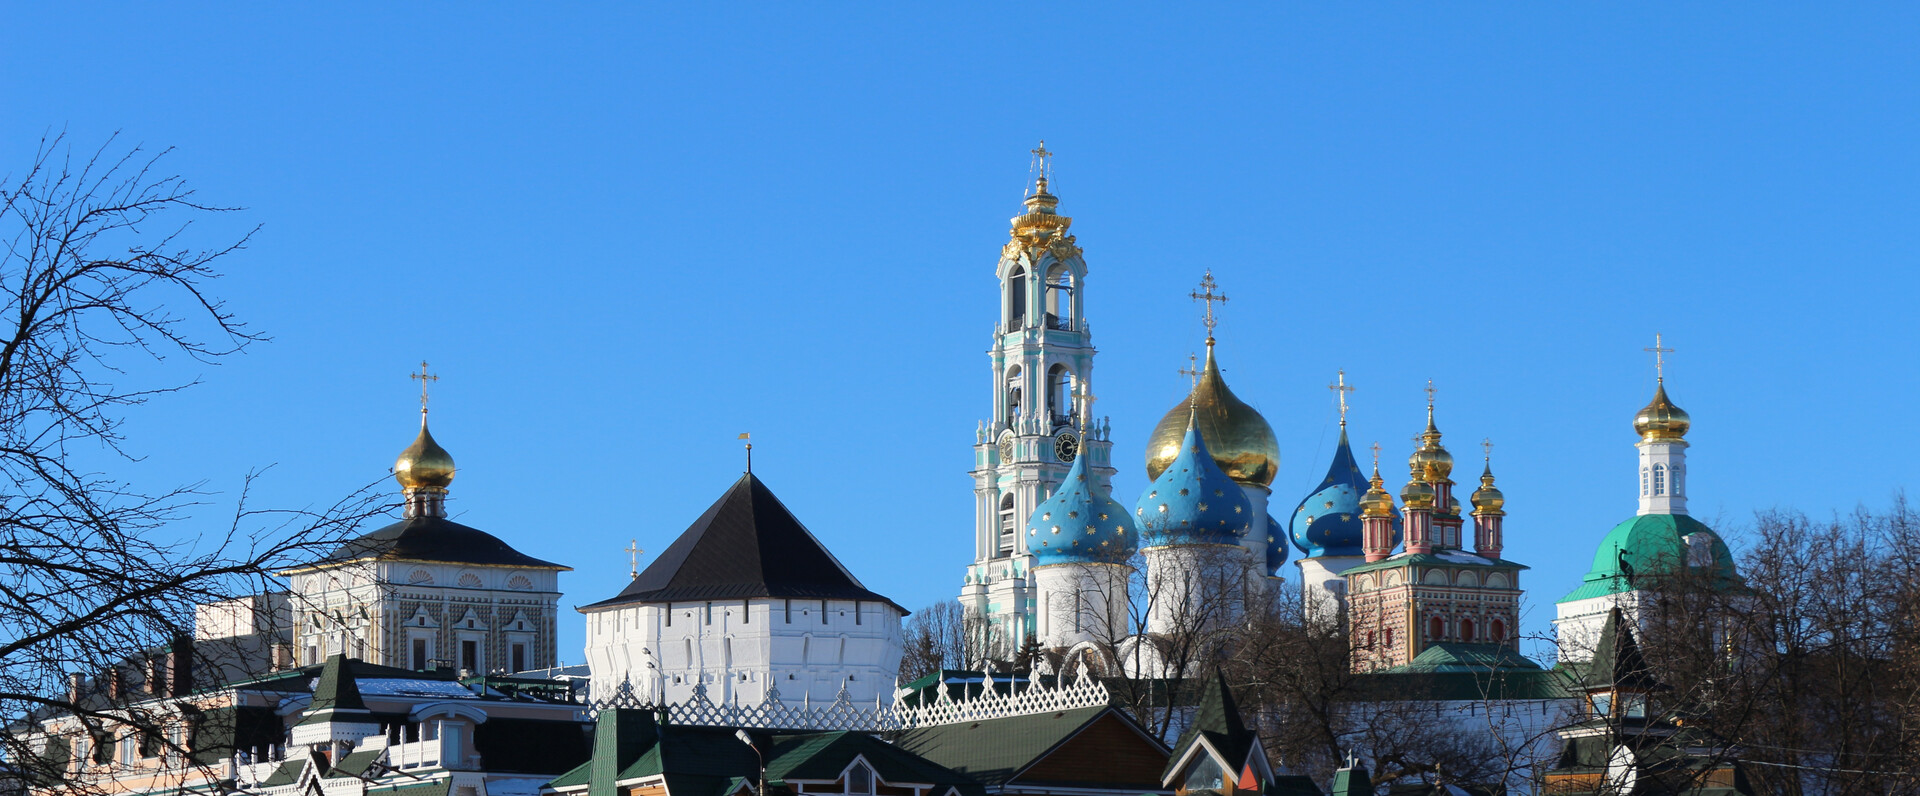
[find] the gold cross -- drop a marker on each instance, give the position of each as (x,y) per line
(1192,369)
(1430,391)
(1043,158)
(633,558)
(1341,388)
(1659,358)
(1086,404)
(1207,295)
(1376,457)
(1487,444)
(423,376)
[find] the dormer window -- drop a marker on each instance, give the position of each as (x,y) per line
(859,779)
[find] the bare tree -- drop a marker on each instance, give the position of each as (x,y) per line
(936,638)
(103,275)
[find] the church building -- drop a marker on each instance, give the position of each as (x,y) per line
(426,591)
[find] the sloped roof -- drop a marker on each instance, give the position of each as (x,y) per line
(1217,719)
(747,544)
(1448,657)
(1617,662)
(435,540)
(994,751)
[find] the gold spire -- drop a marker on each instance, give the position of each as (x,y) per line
(1376,502)
(1488,499)
(1431,462)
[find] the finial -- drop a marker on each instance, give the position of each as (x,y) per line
(633,558)
(1486,444)
(1041,165)
(1192,369)
(1341,388)
(423,376)
(1205,293)
(1430,391)
(1659,359)
(749,437)
(1376,458)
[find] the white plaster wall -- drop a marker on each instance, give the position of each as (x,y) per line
(1096,592)
(745,648)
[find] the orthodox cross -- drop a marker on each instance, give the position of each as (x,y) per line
(1486,443)
(1207,295)
(1659,358)
(633,558)
(1341,388)
(1192,369)
(1376,457)
(1430,391)
(423,376)
(1086,399)
(1043,159)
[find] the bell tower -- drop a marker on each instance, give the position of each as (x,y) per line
(1041,377)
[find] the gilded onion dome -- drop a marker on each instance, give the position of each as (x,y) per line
(1193,501)
(1417,494)
(424,464)
(1242,442)
(1488,499)
(1431,462)
(1377,502)
(1080,524)
(1660,419)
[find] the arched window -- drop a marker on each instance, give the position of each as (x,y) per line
(1389,638)
(1436,628)
(1013,393)
(1643,482)
(1017,299)
(1499,631)
(1369,639)
(1659,479)
(1006,526)
(1059,298)
(1060,394)
(1466,630)
(1673,475)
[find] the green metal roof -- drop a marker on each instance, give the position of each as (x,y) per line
(1217,719)
(1652,545)
(1450,657)
(1454,558)
(991,752)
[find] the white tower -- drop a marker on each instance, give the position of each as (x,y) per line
(1042,366)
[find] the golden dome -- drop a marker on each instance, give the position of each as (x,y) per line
(1417,494)
(1241,441)
(1661,420)
(1487,499)
(424,464)
(1376,503)
(1431,462)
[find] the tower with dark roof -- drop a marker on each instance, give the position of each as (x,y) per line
(744,606)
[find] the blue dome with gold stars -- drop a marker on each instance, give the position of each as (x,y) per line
(1277,550)
(1193,502)
(1080,524)
(1327,522)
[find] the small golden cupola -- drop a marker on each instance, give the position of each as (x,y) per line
(1488,499)
(424,464)
(1660,419)
(1431,462)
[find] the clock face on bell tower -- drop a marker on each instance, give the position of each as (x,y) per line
(1066,446)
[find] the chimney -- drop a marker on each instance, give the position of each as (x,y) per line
(282,657)
(180,663)
(156,675)
(75,681)
(110,677)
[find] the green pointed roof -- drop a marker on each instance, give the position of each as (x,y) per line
(1351,781)
(1617,662)
(1217,719)
(336,692)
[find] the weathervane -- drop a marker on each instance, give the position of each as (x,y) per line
(423,376)
(1341,388)
(1659,359)
(1206,294)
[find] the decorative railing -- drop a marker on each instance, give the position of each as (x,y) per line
(842,713)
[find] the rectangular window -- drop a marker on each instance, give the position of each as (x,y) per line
(789,611)
(470,656)
(709,613)
(823,612)
(669,610)
(419,654)
(856,612)
(746,611)
(519,657)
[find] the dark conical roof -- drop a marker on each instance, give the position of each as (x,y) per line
(746,545)
(1217,718)
(434,539)
(1617,662)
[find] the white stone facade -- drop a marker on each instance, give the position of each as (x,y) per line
(1082,603)
(1663,476)
(808,651)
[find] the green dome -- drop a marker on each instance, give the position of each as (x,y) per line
(1652,545)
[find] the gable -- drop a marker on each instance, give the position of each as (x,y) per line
(1107,751)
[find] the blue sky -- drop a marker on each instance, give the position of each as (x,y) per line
(624,235)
